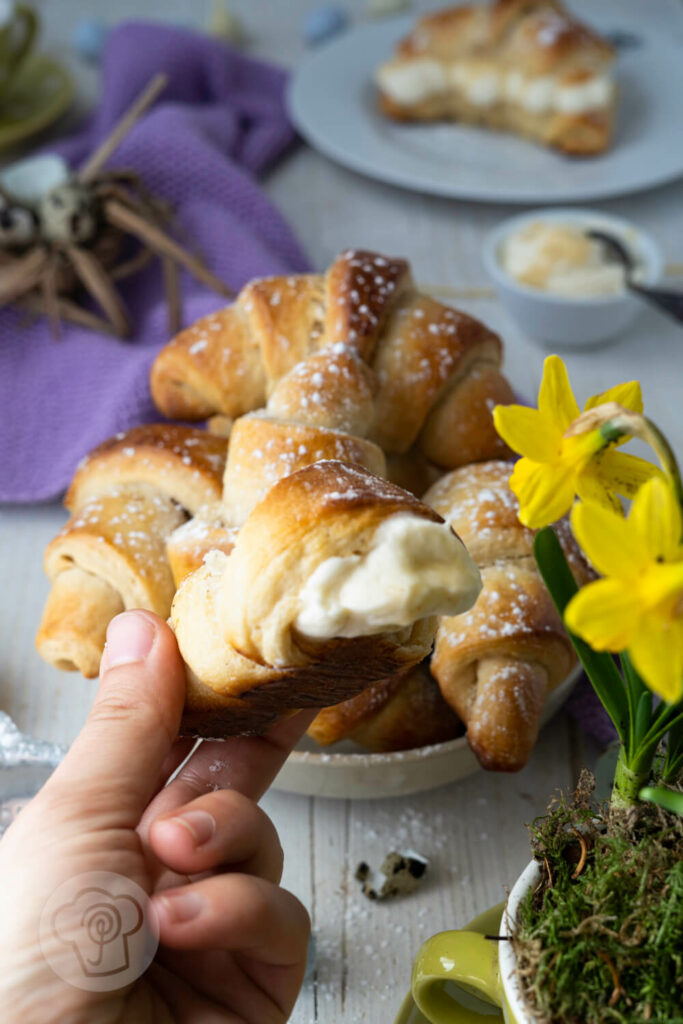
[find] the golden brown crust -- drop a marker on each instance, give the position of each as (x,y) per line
(230,361)
(362,288)
(459,429)
(402,712)
(263,450)
(517,689)
(427,348)
(183,463)
(284,316)
(544,28)
(547,37)
(110,555)
(333,388)
(448,32)
(213,366)
(73,628)
(496,663)
(515,634)
(121,537)
(126,498)
(358,350)
(478,503)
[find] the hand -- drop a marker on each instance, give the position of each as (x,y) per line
(233,943)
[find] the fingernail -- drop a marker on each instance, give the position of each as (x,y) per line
(200,824)
(182,905)
(129,638)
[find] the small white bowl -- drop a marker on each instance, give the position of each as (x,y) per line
(555,319)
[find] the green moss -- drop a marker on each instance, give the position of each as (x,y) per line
(601,938)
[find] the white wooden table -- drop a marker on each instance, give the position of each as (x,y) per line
(473,831)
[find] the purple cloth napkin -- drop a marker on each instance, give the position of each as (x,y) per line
(220,121)
(585,707)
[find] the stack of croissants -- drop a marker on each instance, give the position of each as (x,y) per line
(341,537)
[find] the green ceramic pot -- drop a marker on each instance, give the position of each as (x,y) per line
(462,977)
(17,35)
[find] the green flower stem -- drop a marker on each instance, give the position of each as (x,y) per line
(633,424)
(668,720)
(669,799)
(635,689)
(628,782)
(599,666)
(673,761)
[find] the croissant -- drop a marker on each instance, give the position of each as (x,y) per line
(125,500)
(399,713)
(496,664)
(424,377)
(334,582)
(525,66)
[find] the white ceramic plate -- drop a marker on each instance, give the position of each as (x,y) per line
(349,771)
(332,102)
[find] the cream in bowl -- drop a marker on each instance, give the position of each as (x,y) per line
(561,285)
(561,258)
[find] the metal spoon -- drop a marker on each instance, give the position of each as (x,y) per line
(668,301)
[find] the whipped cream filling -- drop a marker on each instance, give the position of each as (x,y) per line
(417,80)
(562,259)
(413,569)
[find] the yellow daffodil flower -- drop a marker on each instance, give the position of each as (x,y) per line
(638,607)
(555,466)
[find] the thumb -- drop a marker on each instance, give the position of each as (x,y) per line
(112,767)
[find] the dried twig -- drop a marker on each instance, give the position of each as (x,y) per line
(70,311)
(149,234)
(618,991)
(97,159)
(22,274)
(93,275)
(137,198)
(550,874)
(50,297)
(584,853)
(137,262)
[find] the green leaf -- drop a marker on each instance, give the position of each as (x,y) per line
(666,719)
(673,762)
(600,668)
(635,688)
(643,717)
(645,754)
(673,768)
(669,799)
